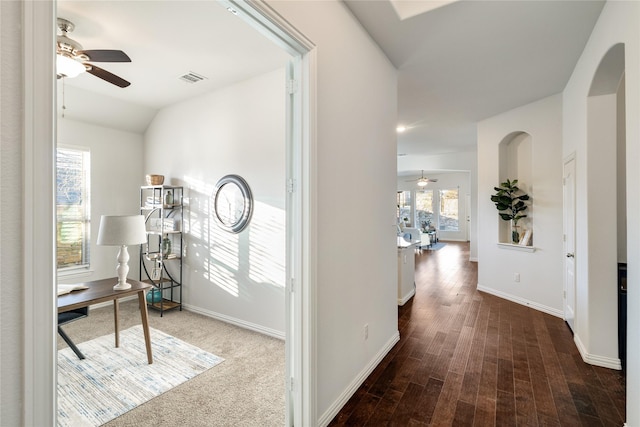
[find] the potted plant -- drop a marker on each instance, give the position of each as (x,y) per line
(511,205)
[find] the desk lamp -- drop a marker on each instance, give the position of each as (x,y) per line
(122,231)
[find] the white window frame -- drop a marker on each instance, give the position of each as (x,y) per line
(86,214)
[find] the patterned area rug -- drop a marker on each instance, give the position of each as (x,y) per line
(112,381)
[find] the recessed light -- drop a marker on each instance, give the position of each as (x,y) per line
(401,129)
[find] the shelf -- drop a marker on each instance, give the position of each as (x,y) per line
(153,206)
(161,187)
(165,305)
(163,222)
(157,257)
(514,247)
(158,232)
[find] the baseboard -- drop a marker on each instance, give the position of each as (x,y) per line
(333,410)
(407,297)
(522,301)
(237,322)
(594,359)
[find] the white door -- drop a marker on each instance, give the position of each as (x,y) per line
(467,205)
(569,196)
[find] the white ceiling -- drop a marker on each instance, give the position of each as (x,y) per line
(164,39)
(459,62)
(465,61)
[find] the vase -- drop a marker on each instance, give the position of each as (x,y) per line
(515,234)
(166,246)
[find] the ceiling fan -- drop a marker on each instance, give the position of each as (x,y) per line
(422,181)
(72,59)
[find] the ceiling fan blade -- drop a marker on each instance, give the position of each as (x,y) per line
(105,55)
(107,76)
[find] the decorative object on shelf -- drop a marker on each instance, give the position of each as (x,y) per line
(168,198)
(122,231)
(510,205)
(166,246)
(526,238)
(154,296)
(155,179)
(233,203)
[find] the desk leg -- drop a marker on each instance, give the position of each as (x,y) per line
(116,322)
(145,324)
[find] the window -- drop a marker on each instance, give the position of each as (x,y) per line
(404,206)
(72,208)
(448,220)
(424,209)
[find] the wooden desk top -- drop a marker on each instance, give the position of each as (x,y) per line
(99,291)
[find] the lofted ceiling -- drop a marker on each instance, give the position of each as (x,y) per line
(458,61)
(463,61)
(165,40)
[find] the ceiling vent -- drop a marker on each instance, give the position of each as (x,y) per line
(191,77)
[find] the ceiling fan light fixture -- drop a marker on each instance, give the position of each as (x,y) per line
(68,67)
(423,182)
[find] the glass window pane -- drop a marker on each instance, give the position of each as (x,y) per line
(72,207)
(424,209)
(448,210)
(404,206)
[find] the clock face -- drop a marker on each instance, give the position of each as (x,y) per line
(233,203)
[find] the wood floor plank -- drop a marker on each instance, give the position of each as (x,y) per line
(469,358)
(505,409)
(385,409)
(428,400)
(406,406)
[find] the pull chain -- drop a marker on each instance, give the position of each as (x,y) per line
(63,106)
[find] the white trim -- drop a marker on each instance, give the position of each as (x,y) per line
(407,297)
(540,307)
(301,221)
(514,247)
(237,322)
(594,359)
(39,391)
(473,259)
(344,397)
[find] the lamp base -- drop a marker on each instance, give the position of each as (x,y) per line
(122,286)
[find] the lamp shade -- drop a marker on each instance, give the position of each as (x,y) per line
(121,230)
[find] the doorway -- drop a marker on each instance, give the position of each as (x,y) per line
(569,219)
(40,328)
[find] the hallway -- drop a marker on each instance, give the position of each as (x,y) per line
(467,358)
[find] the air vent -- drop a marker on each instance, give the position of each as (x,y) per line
(191,77)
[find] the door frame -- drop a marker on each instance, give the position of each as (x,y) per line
(566,221)
(39,391)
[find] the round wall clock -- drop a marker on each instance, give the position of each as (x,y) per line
(233,203)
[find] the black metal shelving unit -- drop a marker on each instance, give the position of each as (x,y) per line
(161,256)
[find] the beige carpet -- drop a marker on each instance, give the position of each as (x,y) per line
(246,390)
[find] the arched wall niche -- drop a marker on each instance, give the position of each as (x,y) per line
(516,162)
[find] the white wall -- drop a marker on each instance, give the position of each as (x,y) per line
(236,130)
(467,161)
(446,181)
(539,287)
(11,217)
(355,174)
(116,176)
(618,23)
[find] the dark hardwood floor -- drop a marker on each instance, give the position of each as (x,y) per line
(467,358)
